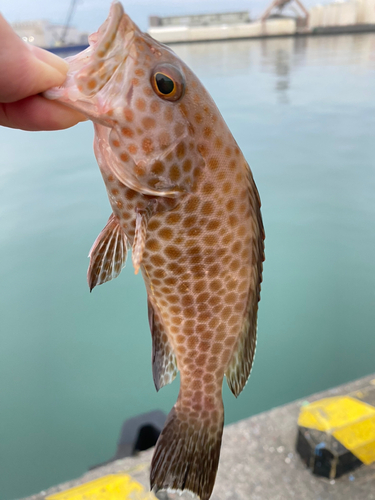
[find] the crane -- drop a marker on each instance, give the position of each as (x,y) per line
(68,20)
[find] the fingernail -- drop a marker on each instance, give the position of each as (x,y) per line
(50,59)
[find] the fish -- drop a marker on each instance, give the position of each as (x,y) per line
(184,201)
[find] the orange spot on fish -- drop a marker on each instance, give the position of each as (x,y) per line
(164,140)
(139,170)
(157,168)
(127,132)
(180,150)
(147,145)
(232,164)
(208,188)
(148,122)
(207,132)
(192,204)
(165,233)
(179,129)
(91,84)
(174,173)
(173,218)
(183,109)
(227,187)
(198,117)
(140,104)
(128,114)
(213,163)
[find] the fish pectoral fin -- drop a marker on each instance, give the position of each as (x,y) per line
(164,364)
(240,364)
(108,254)
(141,222)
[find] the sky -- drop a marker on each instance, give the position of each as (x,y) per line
(89,14)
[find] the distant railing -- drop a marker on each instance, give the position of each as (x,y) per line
(201,19)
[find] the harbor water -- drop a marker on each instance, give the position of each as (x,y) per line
(75,365)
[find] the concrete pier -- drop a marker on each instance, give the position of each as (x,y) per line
(258,462)
(257,29)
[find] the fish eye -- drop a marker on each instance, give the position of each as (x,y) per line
(164,84)
(168,82)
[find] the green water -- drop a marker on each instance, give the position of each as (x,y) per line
(74,365)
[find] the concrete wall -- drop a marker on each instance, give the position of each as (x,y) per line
(272,27)
(343,14)
(366,12)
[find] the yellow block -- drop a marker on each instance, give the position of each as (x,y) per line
(359,438)
(350,421)
(110,487)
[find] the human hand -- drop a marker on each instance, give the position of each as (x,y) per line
(26,71)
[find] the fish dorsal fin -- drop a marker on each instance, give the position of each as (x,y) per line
(164,365)
(141,223)
(108,254)
(240,364)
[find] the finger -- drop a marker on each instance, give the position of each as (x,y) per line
(49,58)
(38,113)
(26,71)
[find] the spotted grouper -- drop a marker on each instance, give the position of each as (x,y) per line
(184,200)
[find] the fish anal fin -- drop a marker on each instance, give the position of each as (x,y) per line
(139,242)
(240,364)
(239,368)
(108,254)
(164,365)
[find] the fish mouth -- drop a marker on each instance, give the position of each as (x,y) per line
(97,84)
(91,70)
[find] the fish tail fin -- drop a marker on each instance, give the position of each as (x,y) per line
(187,453)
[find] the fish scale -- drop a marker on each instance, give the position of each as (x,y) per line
(184,199)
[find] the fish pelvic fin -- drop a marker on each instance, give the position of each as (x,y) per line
(164,364)
(187,453)
(141,223)
(240,364)
(108,254)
